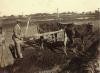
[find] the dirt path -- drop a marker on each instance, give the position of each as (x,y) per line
(37,60)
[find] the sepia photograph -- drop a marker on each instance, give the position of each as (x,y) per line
(49,36)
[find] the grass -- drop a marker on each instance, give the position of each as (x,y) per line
(35,62)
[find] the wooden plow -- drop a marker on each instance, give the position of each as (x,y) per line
(56,45)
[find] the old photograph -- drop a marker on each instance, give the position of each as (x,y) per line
(49,36)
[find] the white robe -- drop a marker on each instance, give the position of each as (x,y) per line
(6,57)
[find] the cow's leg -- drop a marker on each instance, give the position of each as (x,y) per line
(65,44)
(42,42)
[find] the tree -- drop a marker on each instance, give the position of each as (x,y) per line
(97,14)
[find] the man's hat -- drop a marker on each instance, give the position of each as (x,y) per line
(0,27)
(18,21)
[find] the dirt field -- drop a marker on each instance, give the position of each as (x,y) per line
(33,61)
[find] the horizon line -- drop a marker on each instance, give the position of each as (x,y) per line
(23,13)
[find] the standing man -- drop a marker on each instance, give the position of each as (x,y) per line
(17,40)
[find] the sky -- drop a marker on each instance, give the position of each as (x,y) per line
(17,7)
